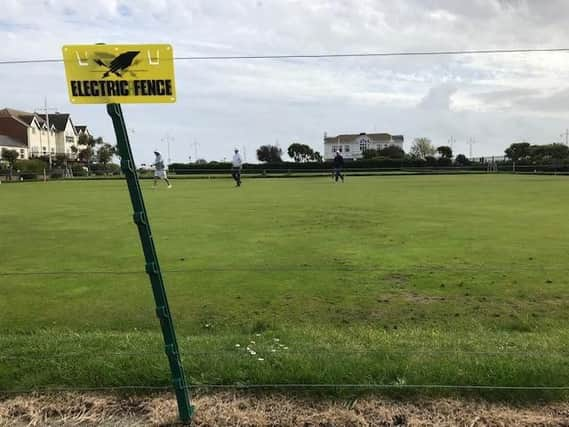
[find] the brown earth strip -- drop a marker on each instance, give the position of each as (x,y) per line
(245,409)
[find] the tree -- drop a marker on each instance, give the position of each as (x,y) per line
(10,156)
(461,160)
(518,151)
(422,148)
(316,157)
(269,154)
(392,152)
(300,152)
(60,160)
(86,154)
(105,153)
(431,160)
(544,153)
(445,152)
(369,154)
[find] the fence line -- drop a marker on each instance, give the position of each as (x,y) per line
(284,386)
(436,268)
(315,351)
(379,386)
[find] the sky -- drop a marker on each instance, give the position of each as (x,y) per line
(493,99)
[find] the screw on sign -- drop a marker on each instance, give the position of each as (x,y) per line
(111,74)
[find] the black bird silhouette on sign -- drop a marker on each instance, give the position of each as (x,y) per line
(119,64)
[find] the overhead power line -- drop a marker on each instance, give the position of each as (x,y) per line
(322,55)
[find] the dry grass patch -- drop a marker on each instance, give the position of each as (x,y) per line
(246,409)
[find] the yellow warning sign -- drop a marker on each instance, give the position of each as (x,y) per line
(105,74)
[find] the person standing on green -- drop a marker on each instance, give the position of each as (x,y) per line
(160,170)
(236,165)
(338,165)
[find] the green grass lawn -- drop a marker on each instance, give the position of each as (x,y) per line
(457,280)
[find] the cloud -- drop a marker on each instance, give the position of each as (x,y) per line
(438,97)
(222,104)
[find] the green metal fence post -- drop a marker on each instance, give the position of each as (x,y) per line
(152,266)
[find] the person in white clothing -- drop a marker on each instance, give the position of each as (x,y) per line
(237,163)
(160,169)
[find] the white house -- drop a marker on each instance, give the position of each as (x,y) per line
(352,146)
(31,131)
(65,133)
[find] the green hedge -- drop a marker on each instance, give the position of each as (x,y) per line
(32,165)
(349,165)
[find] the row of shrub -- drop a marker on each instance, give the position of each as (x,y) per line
(383,163)
(35,168)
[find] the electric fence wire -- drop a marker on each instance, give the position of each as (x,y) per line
(321,56)
(313,351)
(402,270)
(284,386)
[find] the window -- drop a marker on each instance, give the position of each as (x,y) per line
(347,148)
(69,139)
(364,144)
(340,148)
(22,154)
(334,148)
(52,150)
(44,149)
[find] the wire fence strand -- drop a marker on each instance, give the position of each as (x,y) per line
(267,351)
(321,55)
(355,269)
(285,386)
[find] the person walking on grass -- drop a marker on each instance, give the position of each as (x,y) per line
(236,164)
(160,169)
(338,165)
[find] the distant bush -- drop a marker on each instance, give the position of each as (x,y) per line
(461,160)
(108,169)
(32,165)
(379,162)
(431,161)
(444,161)
(57,173)
(78,170)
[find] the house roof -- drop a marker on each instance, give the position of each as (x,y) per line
(8,141)
(373,136)
(59,120)
(81,128)
(29,118)
(10,113)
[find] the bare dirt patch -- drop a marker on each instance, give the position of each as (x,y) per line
(245,409)
(423,299)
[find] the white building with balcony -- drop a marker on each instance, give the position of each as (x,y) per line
(352,146)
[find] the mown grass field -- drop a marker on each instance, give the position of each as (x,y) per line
(418,280)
